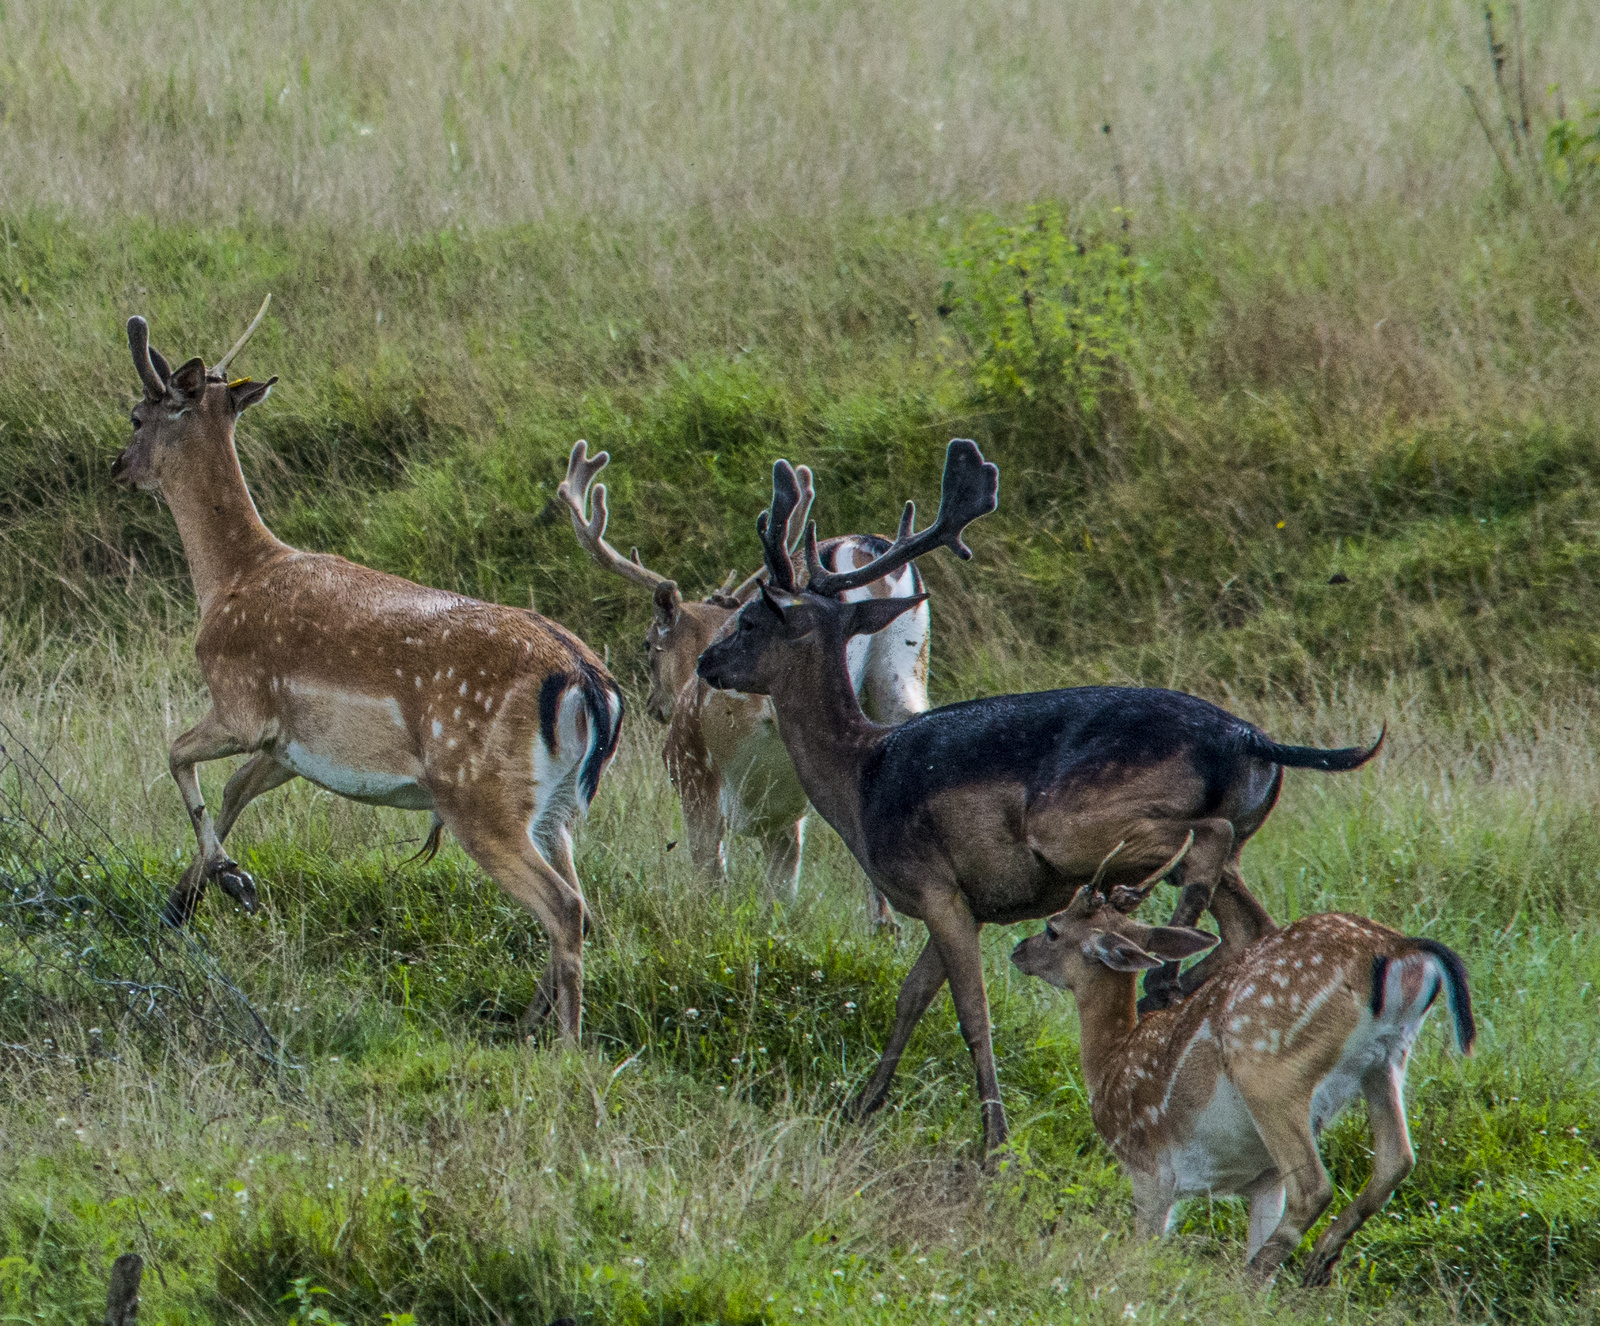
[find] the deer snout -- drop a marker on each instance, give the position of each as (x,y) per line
(119,468)
(1025,954)
(708,670)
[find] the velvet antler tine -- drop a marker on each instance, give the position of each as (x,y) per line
(808,495)
(1100,870)
(971,489)
(1127,898)
(220,368)
(773,526)
(814,569)
(155,386)
(581,493)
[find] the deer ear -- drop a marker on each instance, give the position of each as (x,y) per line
(668,601)
(774,603)
(1173,943)
(188,380)
(871,615)
(1118,952)
(245,393)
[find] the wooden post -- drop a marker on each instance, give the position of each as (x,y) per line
(122,1300)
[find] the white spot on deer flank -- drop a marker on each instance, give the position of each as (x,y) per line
(463,688)
(438,728)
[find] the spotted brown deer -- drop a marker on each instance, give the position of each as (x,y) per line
(495,719)
(1226,1094)
(723,752)
(995,810)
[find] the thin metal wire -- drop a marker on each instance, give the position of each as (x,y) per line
(85,957)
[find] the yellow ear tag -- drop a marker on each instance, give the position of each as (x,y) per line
(240,382)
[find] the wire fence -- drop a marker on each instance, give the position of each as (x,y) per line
(86,962)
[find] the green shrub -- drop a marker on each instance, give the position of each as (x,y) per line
(1572,152)
(1048,318)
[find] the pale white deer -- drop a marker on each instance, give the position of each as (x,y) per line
(1226,1093)
(723,751)
(495,719)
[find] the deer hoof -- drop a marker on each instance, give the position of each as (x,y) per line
(235,882)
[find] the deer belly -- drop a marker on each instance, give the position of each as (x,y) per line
(1222,1151)
(355,745)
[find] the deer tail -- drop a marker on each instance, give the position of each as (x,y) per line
(1313,757)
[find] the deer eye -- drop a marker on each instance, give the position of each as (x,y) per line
(1051,933)
(138,423)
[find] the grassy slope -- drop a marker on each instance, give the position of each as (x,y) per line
(1351,359)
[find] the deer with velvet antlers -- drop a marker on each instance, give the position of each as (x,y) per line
(723,752)
(996,810)
(1226,1094)
(495,719)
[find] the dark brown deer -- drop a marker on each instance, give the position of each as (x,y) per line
(997,810)
(723,752)
(495,719)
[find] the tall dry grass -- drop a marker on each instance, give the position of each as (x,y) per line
(416,114)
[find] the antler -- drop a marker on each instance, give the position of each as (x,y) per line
(773,526)
(1127,899)
(220,368)
(574,490)
(971,489)
(155,386)
(797,522)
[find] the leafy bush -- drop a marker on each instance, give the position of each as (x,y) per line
(1572,152)
(1047,318)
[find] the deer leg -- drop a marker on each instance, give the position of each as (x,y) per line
(206,740)
(1266,1210)
(954,931)
(519,868)
(1152,1205)
(923,981)
(1198,876)
(783,847)
(1392,1161)
(257,775)
(1241,921)
(1285,1127)
(704,828)
(557,848)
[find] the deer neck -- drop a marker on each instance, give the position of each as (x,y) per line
(1107,1017)
(827,736)
(223,534)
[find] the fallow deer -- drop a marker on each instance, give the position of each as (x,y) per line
(995,810)
(723,752)
(495,719)
(1226,1093)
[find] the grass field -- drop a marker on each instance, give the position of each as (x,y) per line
(1314,435)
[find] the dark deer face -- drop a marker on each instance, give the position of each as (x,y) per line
(775,635)
(180,413)
(750,650)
